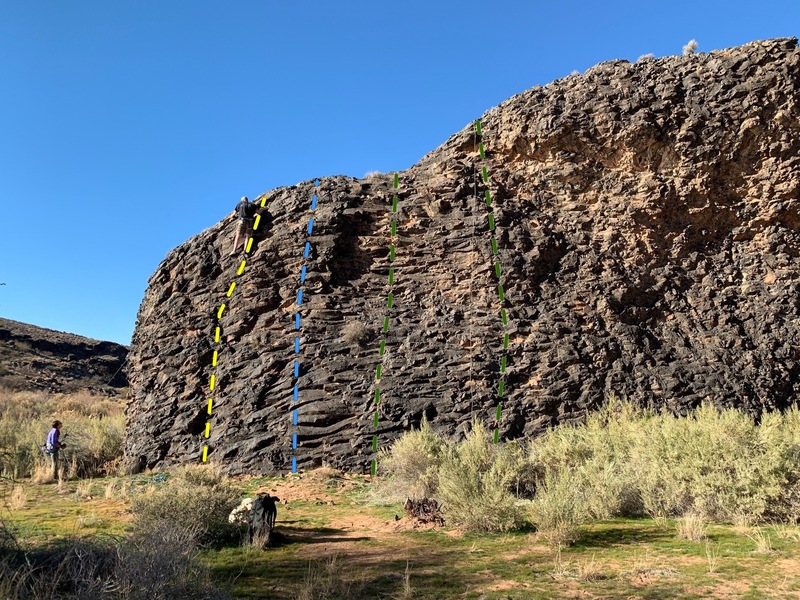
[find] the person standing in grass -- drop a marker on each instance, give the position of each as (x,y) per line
(54,445)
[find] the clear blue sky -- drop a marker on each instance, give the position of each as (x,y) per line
(127,126)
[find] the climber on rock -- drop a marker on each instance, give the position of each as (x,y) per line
(246,212)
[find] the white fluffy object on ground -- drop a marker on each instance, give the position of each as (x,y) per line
(239,514)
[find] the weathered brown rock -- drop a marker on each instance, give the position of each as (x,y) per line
(647,218)
(35,358)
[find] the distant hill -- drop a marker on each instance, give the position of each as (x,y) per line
(34,358)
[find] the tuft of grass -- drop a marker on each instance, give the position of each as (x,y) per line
(326,580)
(18,498)
(712,556)
(691,527)
(762,541)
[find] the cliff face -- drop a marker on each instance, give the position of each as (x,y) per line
(648,229)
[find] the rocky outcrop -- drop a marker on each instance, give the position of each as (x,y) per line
(648,232)
(35,358)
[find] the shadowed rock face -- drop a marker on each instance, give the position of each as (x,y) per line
(648,227)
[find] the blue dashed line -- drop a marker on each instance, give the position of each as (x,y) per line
(303,274)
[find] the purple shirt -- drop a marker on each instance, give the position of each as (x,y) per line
(52,438)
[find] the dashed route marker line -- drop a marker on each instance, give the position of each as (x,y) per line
(498,271)
(212,383)
(298,329)
(389,304)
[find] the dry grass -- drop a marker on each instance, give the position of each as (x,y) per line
(93,431)
(43,472)
(762,541)
(691,527)
(326,581)
(84,489)
(790,533)
(18,498)
(712,556)
(109,490)
(589,570)
(355,332)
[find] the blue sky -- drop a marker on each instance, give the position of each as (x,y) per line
(128,126)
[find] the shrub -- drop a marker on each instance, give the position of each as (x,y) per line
(475,482)
(410,468)
(160,565)
(559,506)
(95,426)
(690,47)
(197,499)
(354,332)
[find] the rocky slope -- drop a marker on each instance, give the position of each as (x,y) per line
(35,358)
(648,232)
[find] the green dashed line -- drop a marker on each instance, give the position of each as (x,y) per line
(500,291)
(389,304)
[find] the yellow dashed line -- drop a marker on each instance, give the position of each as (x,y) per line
(208,428)
(263,202)
(210,405)
(258,220)
(219,312)
(211,384)
(214,359)
(241,267)
(249,245)
(216,336)
(205,453)
(230,289)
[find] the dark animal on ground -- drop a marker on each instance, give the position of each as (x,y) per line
(261,519)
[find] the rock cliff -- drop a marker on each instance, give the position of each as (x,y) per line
(648,228)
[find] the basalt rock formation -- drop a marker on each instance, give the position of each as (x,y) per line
(35,358)
(648,228)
